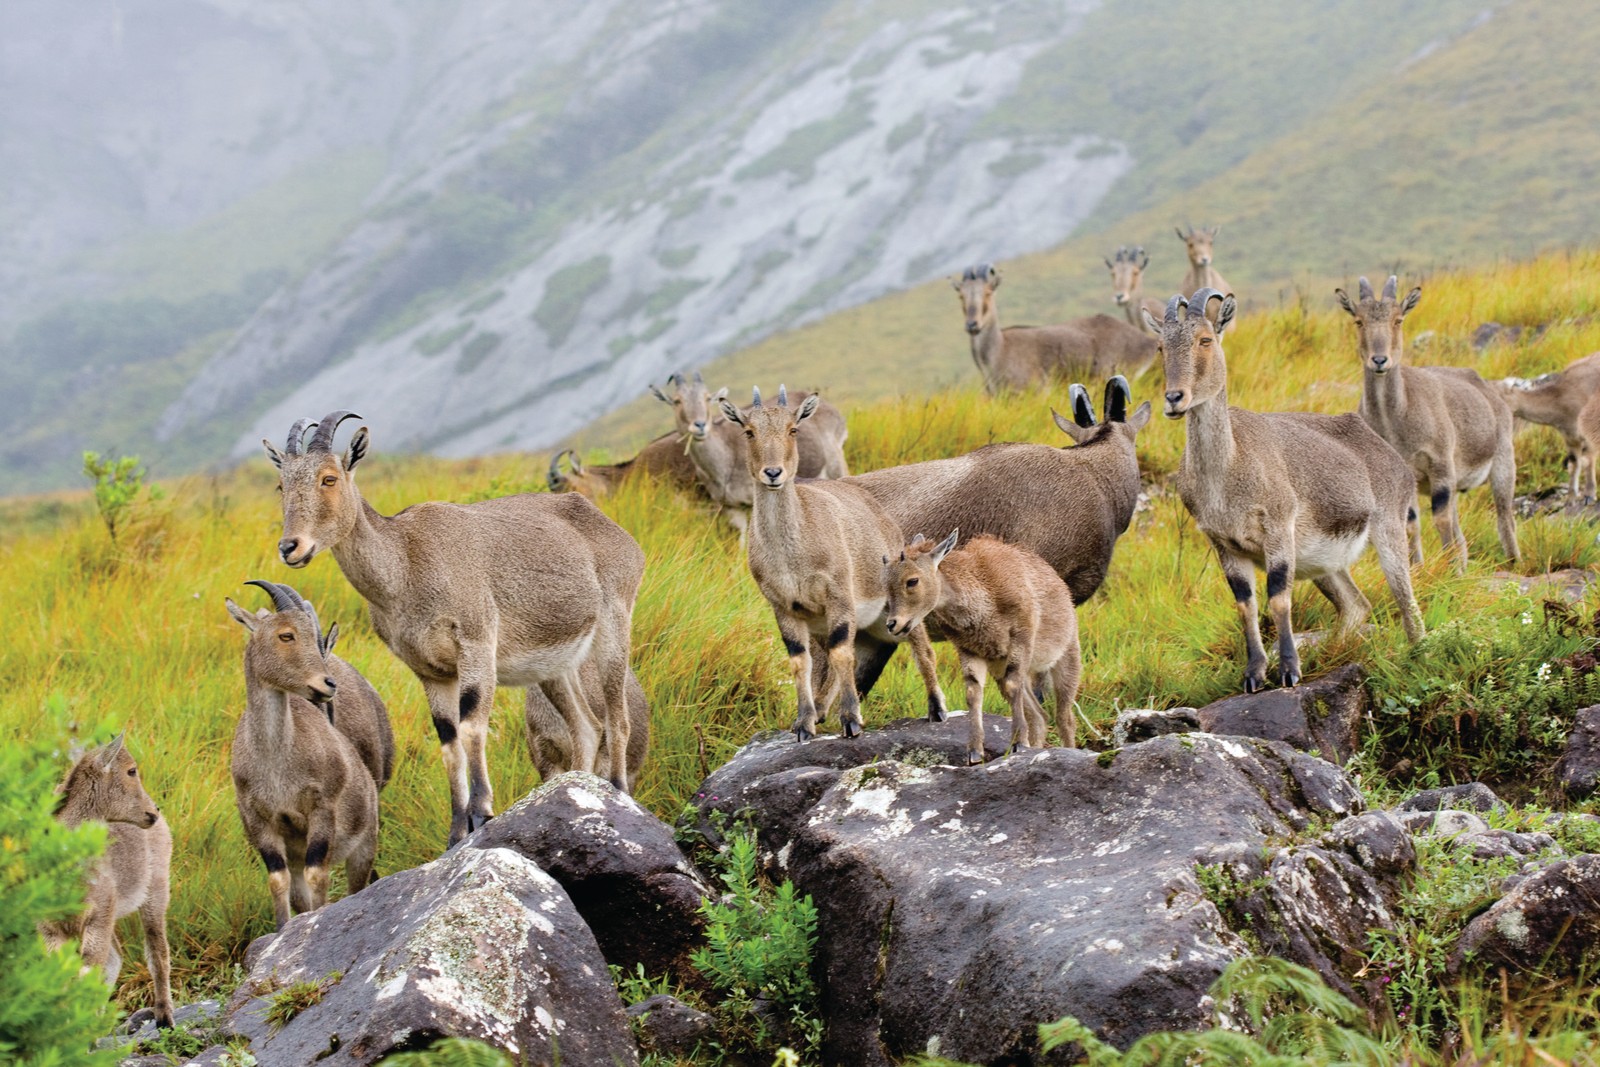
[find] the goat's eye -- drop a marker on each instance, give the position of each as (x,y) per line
(1205,340)
(329,479)
(286,638)
(750,434)
(911,582)
(793,430)
(133,772)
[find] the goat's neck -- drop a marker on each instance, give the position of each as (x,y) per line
(987,346)
(371,557)
(775,521)
(267,711)
(716,458)
(1208,448)
(1384,394)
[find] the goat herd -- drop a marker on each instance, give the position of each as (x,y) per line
(1296,494)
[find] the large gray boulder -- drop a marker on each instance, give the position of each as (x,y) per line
(1580,763)
(480,943)
(620,865)
(1321,716)
(1550,922)
(960,907)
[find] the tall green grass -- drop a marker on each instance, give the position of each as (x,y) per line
(137,633)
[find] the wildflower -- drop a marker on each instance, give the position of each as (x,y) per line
(1527,618)
(1543,673)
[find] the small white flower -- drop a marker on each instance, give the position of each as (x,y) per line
(1527,618)
(1543,673)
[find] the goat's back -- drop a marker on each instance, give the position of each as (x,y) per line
(359,713)
(1338,466)
(665,460)
(1097,346)
(1068,505)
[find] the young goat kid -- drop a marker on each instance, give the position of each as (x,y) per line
(816,552)
(1295,493)
(133,875)
(1451,426)
(310,753)
(1560,401)
(1007,613)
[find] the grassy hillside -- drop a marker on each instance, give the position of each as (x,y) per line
(135,634)
(1481,148)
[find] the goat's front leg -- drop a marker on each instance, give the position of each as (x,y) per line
(445,708)
(797,642)
(275,857)
(840,646)
(157,953)
(320,826)
(974,673)
(1503,484)
(1442,497)
(928,667)
(1280,585)
(1241,575)
(475,673)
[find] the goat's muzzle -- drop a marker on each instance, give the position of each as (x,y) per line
(1176,406)
(772,477)
(323,693)
(1205,261)
(1380,364)
(699,431)
(287,549)
(151,818)
(1121,299)
(972,327)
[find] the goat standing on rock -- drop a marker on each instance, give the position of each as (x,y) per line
(1454,428)
(1007,613)
(1295,493)
(306,777)
(816,552)
(133,875)
(518,590)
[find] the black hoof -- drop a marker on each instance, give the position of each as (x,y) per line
(802,735)
(974,758)
(1253,684)
(475,822)
(852,728)
(1016,746)
(937,715)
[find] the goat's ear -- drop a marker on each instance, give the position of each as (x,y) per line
(1150,320)
(273,453)
(1214,231)
(1225,314)
(357,450)
(1181,235)
(955,283)
(721,394)
(108,756)
(331,639)
(1345,302)
(1140,417)
(809,407)
(731,412)
(993,281)
(1068,427)
(659,395)
(942,549)
(1411,300)
(241,616)
(1107,262)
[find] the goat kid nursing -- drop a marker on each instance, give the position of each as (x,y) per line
(816,551)
(134,874)
(1297,494)
(1007,613)
(310,753)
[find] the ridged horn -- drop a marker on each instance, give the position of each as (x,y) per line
(755,396)
(783,395)
(1202,297)
(283,598)
(556,478)
(296,445)
(322,440)
(1172,307)
(1364,288)
(1391,288)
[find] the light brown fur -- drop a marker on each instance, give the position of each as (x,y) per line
(816,550)
(1127,286)
(1295,493)
(133,875)
(550,741)
(716,445)
(1021,357)
(1007,613)
(306,777)
(1560,401)
(662,459)
(517,590)
(1454,428)
(1199,246)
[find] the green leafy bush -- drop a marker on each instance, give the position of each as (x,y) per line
(118,485)
(49,1014)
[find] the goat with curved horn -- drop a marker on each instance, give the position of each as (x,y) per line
(327,426)
(1296,494)
(1127,284)
(519,590)
(1453,428)
(1022,357)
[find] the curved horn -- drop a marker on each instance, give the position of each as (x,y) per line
(296,445)
(322,440)
(1364,288)
(1082,408)
(783,395)
(556,478)
(1117,397)
(1172,307)
(283,598)
(674,379)
(1391,287)
(1202,296)
(755,395)
(1144,257)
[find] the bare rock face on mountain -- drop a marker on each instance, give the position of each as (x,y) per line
(1322,715)
(620,865)
(479,944)
(960,907)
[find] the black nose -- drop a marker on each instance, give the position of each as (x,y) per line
(1175,396)
(772,473)
(287,546)
(700,427)
(150,818)
(972,325)
(330,683)
(1378,361)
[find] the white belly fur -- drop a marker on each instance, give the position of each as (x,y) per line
(529,666)
(1473,478)
(1318,556)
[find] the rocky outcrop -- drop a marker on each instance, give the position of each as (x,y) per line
(619,864)
(959,907)
(1580,763)
(1141,724)
(1322,715)
(1471,796)
(669,1027)
(1549,922)
(480,943)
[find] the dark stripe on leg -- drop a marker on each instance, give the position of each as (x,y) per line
(838,635)
(794,648)
(1243,588)
(274,860)
(1411,513)
(317,852)
(1277,580)
(469,701)
(445,729)
(1441,498)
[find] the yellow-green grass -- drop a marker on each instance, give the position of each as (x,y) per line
(136,634)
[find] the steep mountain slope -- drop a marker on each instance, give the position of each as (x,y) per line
(1477,147)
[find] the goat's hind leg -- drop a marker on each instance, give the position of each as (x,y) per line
(1503,484)
(157,953)
(974,672)
(1389,542)
(1065,675)
(1347,599)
